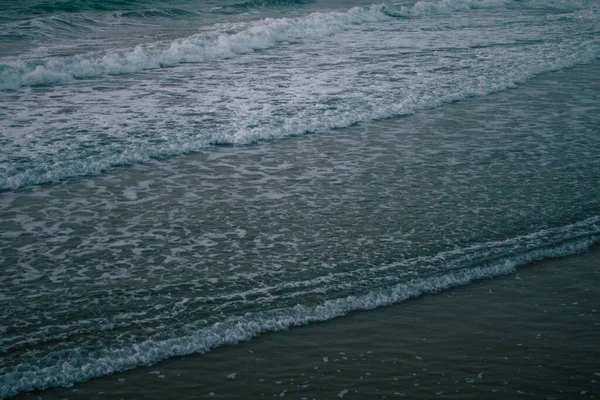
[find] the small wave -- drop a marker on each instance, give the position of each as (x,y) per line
(250,5)
(43,19)
(50,27)
(198,48)
(441,7)
(73,6)
(55,24)
(260,35)
(77,365)
(171,13)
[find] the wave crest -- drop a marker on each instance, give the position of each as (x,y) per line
(197,48)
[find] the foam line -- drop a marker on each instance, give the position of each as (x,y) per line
(197,48)
(586,53)
(79,366)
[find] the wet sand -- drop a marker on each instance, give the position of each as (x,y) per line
(534,334)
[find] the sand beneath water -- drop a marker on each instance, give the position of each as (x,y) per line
(534,334)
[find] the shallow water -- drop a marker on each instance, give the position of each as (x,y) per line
(532,334)
(180,256)
(115,266)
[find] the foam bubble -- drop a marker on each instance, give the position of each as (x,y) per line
(77,365)
(375,104)
(384,69)
(197,48)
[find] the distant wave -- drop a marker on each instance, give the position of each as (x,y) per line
(49,19)
(69,25)
(250,5)
(77,365)
(271,3)
(73,6)
(172,13)
(441,7)
(131,8)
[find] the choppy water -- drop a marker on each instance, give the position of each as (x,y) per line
(138,252)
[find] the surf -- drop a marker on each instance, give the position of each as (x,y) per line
(194,49)
(75,365)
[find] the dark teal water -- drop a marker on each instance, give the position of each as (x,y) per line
(174,184)
(533,333)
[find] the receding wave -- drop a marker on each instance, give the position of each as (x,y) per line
(77,365)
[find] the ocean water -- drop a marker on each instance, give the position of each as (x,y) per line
(176,176)
(532,334)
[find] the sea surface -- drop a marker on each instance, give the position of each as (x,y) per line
(177,176)
(531,334)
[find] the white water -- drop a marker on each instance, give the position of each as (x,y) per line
(269,79)
(187,253)
(76,365)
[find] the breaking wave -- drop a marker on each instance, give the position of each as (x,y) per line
(197,48)
(295,125)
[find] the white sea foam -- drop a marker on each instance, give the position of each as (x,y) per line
(302,122)
(260,35)
(384,69)
(443,7)
(197,48)
(79,366)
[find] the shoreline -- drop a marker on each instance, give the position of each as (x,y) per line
(393,343)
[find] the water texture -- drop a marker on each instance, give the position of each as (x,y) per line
(264,79)
(176,177)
